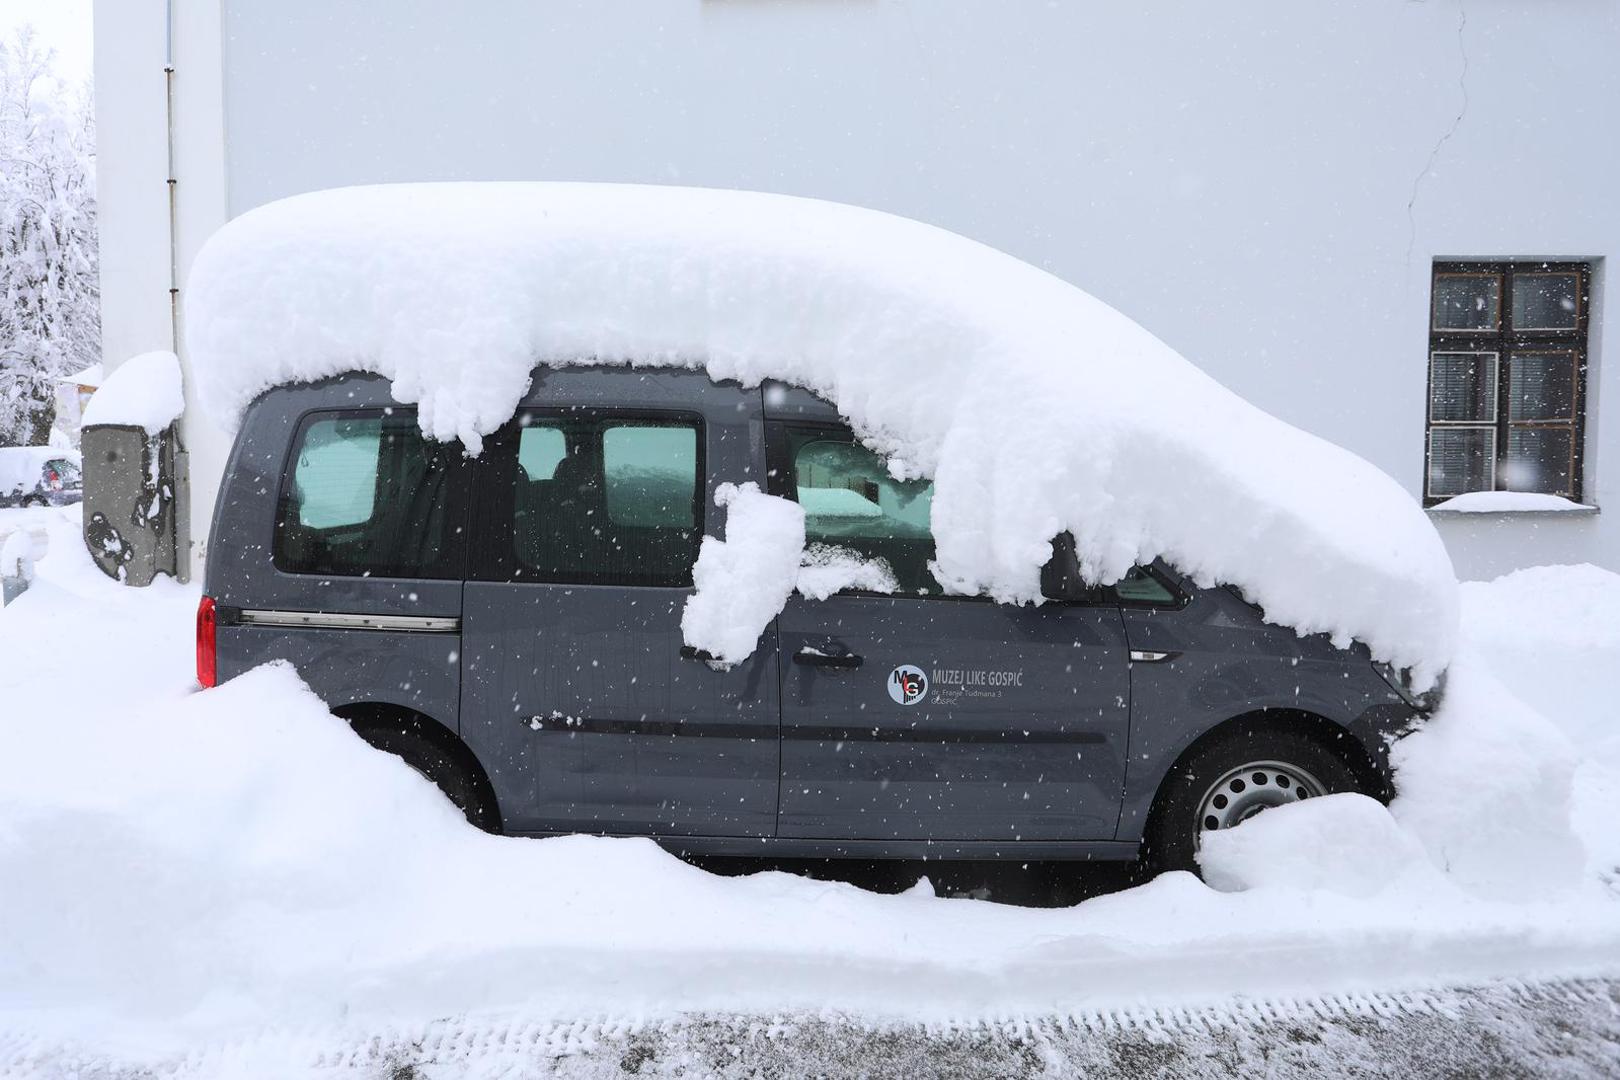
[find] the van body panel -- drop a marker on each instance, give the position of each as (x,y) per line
(1221,662)
(587,718)
(577,697)
(418,671)
(415,671)
(1019,732)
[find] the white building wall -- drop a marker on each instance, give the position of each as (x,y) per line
(142,244)
(1262,185)
(132,168)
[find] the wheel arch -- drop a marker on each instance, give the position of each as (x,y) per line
(1335,737)
(370,717)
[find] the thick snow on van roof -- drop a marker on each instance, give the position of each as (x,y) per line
(1033,406)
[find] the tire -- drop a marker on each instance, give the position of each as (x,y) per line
(459,783)
(1233,777)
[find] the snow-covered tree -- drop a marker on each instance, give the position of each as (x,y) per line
(50,310)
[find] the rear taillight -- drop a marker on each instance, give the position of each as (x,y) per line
(207,671)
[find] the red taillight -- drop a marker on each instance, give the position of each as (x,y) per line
(207,672)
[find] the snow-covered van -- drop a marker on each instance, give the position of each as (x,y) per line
(510,624)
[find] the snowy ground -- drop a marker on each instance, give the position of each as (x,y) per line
(229,884)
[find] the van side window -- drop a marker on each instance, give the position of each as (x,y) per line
(851,502)
(606,500)
(365,495)
(1138,586)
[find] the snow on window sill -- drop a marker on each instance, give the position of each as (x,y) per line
(1501,503)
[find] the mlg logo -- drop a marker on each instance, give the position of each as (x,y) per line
(907,684)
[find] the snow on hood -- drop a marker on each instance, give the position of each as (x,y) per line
(1034,406)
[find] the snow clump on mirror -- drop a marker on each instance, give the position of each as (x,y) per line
(743,581)
(1033,406)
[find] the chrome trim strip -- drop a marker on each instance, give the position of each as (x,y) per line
(339,620)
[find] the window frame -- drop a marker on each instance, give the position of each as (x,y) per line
(1180,597)
(493,555)
(1508,342)
(451,564)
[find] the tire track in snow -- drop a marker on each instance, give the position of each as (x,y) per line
(1567,1029)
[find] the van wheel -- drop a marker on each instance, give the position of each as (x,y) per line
(1231,779)
(441,768)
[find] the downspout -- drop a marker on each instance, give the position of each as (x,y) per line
(174,223)
(177,460)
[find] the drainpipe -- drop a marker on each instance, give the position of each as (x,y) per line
(174,459)
(174,223)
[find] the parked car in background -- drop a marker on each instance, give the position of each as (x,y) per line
(39,476)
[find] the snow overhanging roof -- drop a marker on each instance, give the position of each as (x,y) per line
(1034,406)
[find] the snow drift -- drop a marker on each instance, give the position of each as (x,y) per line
(181,869)
(1033,406)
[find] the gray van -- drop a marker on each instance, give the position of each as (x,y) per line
(510,626)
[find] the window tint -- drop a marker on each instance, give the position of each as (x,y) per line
(540,451)
(852,503)
(651,475)
(606,501)
(366,495)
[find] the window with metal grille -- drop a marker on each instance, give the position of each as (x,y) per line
(1507,378)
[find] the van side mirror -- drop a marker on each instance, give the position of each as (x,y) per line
(1060,577)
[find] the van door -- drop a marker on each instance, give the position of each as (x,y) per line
(909,715)
(578,694)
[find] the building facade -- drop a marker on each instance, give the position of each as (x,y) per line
(1386,223)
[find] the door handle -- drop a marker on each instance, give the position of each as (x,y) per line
(815,658)
(690,652)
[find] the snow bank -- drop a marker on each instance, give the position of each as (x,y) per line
(1344,844)
(1551,636)
(181,868)
(1487,785)
(144,392)
(743,581)
(1034,407)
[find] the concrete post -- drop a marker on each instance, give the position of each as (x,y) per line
(134,487)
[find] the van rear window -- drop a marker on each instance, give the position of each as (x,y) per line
(366,495)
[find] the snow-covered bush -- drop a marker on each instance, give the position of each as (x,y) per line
(50,306)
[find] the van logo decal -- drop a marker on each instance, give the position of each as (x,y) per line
(907,684)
